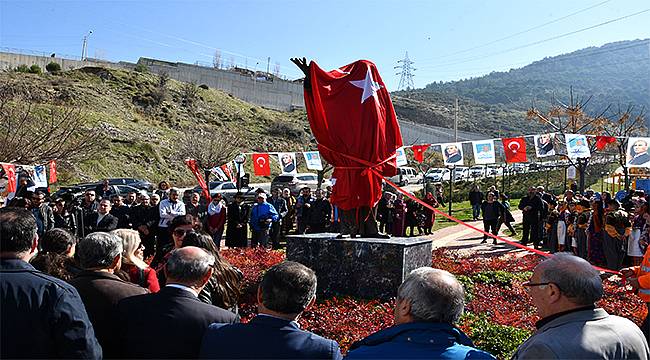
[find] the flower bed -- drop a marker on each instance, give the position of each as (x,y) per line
(498,316)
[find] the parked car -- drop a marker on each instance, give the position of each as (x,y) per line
(295,182)
(494,170)
(75,192)
(136,183)
(477,171)
(228,189)
(406,175)
(438,175)
(461,173)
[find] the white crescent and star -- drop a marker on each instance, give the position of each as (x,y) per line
(261,161)
(368,85)
(514,146)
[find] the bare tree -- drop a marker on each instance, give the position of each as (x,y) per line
(571,119)
(208,147)
(31,136)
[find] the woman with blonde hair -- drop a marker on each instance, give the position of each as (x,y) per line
(140,272)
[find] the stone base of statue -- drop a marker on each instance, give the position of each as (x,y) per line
(361,267)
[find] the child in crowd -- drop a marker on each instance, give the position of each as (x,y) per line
(552,227)
(582,221)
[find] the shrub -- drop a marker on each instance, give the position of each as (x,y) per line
(500,277)
(499,340)
(53,67)
(22,68)
(35,69)
(286,129)
(141,68)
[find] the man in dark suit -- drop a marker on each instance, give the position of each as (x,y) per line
(286,290)
(101,220)
(42,316)
(171,323)
(100,254)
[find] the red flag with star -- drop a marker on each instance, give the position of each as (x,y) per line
(353,120)
(602,141)
(52,178)
(515,149)
(262,166)
(418,152)
(10,172)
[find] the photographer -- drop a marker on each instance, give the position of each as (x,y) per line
(263,215)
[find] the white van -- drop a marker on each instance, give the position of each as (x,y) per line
(405,176)
(438,174)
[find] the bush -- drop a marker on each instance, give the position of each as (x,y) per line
(500,277)
(499,340)
(141,68)
(53,67)
(35,69)
(22,68)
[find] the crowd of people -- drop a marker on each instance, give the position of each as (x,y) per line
(105,304)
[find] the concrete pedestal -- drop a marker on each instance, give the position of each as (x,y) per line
(366,268)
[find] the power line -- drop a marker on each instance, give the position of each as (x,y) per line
(543,40)
(522,32)
(406,80)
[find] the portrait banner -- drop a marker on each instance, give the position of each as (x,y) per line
(452,153)
(288,163)
(40,176)
(484,152)
(637,152)
(544,145)
(577,146)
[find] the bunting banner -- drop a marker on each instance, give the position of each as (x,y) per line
(262,166)
(418,152)
(544,145)
(484,152)
(452,153)
(226,169)
(287,163)
(577,146)
(313,161)
(191,163)
(40,177)
(602,141)
(515,149)
(10,172)
(637,152)
(53,178)
(400,157)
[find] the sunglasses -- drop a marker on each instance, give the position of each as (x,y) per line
(182,232)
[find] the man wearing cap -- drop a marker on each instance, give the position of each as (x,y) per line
(263,215)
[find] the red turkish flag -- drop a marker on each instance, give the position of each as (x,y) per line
(354,122)
(10,171)
(515,149)
(262,166)
(191,163)
(418,152)
(602,141)
(52,171)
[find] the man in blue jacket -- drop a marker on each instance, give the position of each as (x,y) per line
(42,316)
(263,215)
(428,304)
(286,290)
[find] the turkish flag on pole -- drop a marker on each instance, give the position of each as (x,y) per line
(191,163)
(602,141)
(52,172)
(10,171)
(515,149)
(262,166)
(418,152)
(353,120)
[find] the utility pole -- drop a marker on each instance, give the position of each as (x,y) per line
(406,72)
(268,65)
(84,47)
(452,177)
(456,120)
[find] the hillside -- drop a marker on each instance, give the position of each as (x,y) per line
(141,125)
(615,73)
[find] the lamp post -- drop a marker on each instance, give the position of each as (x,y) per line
(84,47)
(452,175)
(239,160)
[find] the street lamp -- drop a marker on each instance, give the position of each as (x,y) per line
(84,47)
(239,160)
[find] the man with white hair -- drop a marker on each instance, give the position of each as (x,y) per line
(564,289)
(429,303)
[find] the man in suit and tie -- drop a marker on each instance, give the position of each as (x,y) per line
(171,323)
(286,290)
(101,220)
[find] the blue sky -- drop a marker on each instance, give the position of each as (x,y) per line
(447,39)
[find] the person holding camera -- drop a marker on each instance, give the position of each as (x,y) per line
(263,215)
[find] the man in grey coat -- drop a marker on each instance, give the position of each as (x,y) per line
(564,288)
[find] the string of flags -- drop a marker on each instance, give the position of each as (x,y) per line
(36,174)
